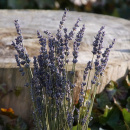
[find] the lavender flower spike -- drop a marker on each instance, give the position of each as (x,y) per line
(18,45)
(76,44)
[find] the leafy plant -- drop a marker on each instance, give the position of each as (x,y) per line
(10,121)
(112,107)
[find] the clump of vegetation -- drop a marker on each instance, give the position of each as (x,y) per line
(112,107)
(51,88)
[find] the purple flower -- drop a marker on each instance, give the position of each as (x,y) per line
(76,44)
(89,67)
(22,53)
(97,44)
(70,118)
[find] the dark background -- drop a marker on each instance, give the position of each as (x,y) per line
(117,8)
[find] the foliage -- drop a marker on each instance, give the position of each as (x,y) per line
(10,121)
(4,91)
(112,107)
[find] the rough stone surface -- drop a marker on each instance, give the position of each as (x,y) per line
(33,20)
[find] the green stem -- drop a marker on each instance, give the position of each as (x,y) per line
(89,77)
(91,106)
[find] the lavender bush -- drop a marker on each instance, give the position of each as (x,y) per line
(51,88)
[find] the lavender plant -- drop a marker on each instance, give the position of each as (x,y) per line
(51,88)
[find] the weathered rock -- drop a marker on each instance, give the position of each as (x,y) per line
(33,20)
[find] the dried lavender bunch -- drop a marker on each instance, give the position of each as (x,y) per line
(51,88)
